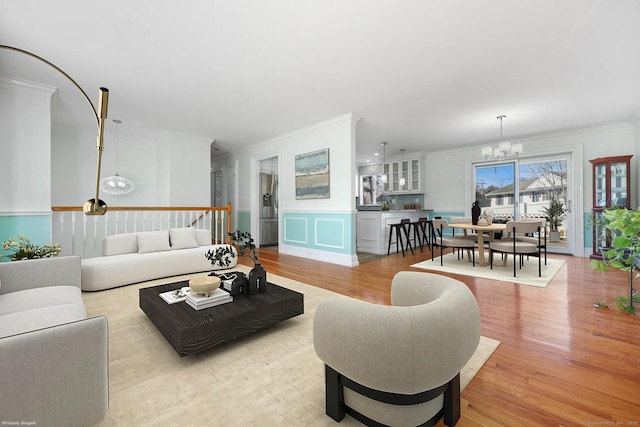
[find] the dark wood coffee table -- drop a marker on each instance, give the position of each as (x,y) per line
(190,331)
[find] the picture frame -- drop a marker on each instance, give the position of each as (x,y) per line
(312,175)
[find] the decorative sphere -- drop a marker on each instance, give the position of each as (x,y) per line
(205,284)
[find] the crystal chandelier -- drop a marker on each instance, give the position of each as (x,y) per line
(504,148)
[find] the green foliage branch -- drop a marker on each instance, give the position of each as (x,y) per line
(23,249)
(624,226)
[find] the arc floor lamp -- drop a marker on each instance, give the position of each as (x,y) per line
(93,206)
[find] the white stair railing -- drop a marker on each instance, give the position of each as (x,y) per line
(82,235)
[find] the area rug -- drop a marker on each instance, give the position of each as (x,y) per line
(270,378)
(528,275)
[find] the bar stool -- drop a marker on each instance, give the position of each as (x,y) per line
(400,228)
(426,228)
(418,233)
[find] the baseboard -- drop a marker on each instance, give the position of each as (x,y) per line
(349,260)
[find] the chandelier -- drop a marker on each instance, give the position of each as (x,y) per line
(116,184)
(504,149)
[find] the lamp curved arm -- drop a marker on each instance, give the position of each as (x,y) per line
(92,206)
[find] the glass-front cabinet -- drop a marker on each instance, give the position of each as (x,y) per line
(407,169)
(385,171)
(611,187)
(395,177)
(415,175)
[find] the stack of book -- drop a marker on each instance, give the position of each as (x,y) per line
(200,301)
(178,295)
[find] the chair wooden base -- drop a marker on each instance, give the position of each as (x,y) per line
(336,408)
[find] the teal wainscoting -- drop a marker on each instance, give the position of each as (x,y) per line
(329,232)
(244,223)
(36,227)
(447,215)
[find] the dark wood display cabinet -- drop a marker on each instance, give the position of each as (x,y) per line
(611,187)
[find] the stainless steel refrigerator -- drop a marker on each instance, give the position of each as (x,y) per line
(268,209)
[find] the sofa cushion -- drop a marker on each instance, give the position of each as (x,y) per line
(39,297)
(120,244)
(203,237)
(182,238)
(32,309)
(153,241)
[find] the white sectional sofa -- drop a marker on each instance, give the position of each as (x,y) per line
(53,359)
(136,257)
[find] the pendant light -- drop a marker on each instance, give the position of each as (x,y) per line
(116,184)
(504,148)
(384,178)
(402,180)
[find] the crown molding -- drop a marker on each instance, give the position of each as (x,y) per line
(542,137)
(336,121)
(26,86)
(349,117)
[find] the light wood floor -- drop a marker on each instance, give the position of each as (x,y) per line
(561,362)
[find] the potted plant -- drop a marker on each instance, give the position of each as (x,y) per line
(244,242)
(624,226)
(555,213)
(24,249)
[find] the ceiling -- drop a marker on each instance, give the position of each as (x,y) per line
(422,75)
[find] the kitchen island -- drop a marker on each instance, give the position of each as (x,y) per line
(372,234)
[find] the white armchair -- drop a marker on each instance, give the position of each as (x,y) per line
(53,359)
(398,364)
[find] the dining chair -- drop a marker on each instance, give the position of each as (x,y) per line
(530,238)
(451,242)
(542,241)
(470,234)
(517,247)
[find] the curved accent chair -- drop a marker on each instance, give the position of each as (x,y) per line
(398,364)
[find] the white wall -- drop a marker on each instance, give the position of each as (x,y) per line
(448,169)
(172,170)
(189,169)
(25,146)
(337,134)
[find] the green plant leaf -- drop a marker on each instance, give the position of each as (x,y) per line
(597,264)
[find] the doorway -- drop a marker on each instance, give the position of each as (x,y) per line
(268,203)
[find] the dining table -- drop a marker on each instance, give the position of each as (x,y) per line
(480,229)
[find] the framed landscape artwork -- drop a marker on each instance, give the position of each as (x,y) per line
(312,175)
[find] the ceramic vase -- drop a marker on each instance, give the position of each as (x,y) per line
(257,280)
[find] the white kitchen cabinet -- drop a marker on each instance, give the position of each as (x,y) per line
(409,170)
